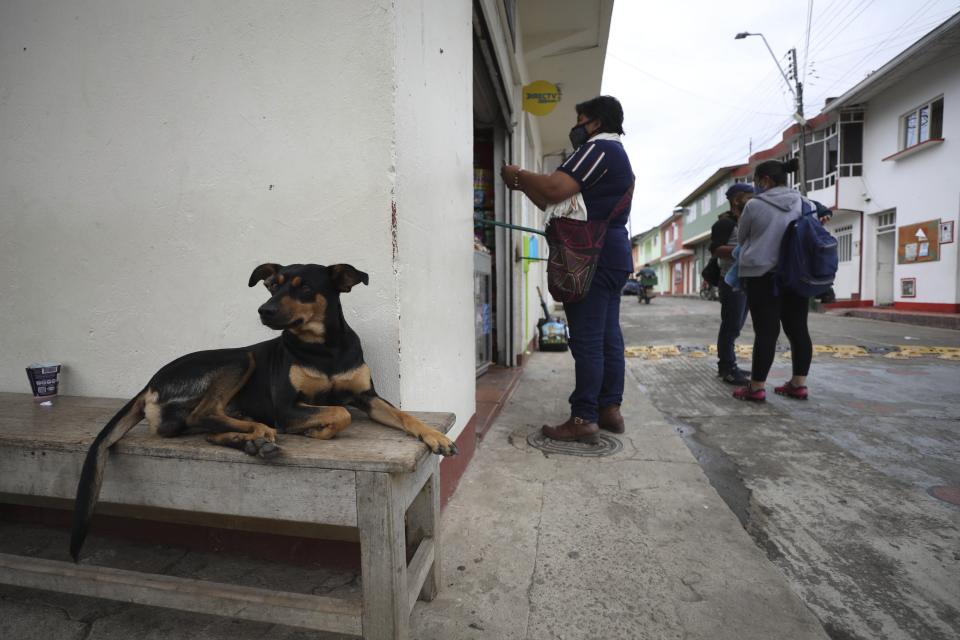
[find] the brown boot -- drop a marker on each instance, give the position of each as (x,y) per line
(573,429)
(610,419)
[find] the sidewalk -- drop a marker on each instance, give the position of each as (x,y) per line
(919,318)
(635,545)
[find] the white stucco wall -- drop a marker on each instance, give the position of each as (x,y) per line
(154,154)
(920,187)
(434,206)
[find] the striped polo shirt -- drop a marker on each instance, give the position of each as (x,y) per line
(603,171)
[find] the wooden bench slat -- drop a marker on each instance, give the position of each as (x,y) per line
(248,603)
(73,422)
(417,570)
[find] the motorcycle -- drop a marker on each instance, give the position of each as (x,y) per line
(708,291)
(645,294)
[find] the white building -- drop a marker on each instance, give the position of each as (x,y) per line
(884,157)
(910,175)
(152,154)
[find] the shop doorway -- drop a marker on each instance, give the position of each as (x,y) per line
(492,268)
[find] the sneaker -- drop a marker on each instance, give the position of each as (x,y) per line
(791,391)
(736,377)
(750,395)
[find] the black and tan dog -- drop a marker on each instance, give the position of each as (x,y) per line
(299,382)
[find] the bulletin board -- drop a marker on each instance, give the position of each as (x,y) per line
(918,242)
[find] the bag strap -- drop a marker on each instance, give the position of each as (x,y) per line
(622,204)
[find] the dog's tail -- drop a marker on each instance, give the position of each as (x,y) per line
(91,477)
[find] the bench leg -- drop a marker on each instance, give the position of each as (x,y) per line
(380,518)
(423,521)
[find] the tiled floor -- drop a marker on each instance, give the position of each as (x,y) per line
(493,390)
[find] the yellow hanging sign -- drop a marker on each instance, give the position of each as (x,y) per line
(540,97)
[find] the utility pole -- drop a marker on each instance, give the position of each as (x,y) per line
(797,90)
(801,120)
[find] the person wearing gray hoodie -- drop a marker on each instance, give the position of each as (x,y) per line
(762,225)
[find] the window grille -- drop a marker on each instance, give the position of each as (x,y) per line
(844,237)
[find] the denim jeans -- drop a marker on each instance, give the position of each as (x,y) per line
(596,344)
(733,313)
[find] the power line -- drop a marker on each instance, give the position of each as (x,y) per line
(839,27)
(899,33)
(806,48)
(687,91)
(857,66)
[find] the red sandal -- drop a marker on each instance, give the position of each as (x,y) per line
(792,391)
(750,395)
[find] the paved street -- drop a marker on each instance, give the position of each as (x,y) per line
(836,489)
(789,520)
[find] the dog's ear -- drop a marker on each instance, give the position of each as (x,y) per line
(264,271)
(345,277)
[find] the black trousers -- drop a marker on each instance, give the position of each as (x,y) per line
(769,312)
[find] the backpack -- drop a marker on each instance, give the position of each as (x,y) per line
(711,272)
(808,256)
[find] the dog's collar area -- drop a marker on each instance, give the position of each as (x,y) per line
(294,343)
(345,351)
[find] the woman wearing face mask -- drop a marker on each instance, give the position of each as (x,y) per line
(600,171)
(762,224)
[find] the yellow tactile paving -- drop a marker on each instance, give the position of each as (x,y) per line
(910,351)
(652,352)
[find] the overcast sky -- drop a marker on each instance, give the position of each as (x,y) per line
(694,97)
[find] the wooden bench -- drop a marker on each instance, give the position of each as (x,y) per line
(371,477)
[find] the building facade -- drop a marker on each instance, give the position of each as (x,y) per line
(152,157)
(883,157)
(908,189)
(701,209)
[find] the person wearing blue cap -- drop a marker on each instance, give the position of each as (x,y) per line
(733,303)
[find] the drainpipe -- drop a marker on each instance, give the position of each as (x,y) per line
(860,278)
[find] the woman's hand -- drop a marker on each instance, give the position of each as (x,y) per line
(510,174)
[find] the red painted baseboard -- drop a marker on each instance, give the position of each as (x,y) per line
(849,304)
(928,307)
(452,469)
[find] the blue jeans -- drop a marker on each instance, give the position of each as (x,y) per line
(733,313)
(596,343)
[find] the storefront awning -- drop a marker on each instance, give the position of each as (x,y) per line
(697,239)
(683,253)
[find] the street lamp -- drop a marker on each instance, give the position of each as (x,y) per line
(798,97)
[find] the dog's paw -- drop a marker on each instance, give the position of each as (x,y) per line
(262,448)
(439,443)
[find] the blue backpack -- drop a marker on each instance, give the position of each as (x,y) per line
(808,256)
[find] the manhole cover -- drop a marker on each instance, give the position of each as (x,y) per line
(607,446)
(947,494)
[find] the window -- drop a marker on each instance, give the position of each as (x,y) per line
(793,179)
(851,144)
(822,148)
(886,221)
(922,124)
(844,237)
